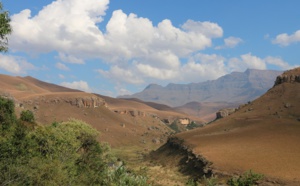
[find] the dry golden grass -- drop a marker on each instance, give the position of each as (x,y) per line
(263,136)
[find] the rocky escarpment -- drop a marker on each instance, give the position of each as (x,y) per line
(80,102)
(293,78)
(133,113)
(176,153)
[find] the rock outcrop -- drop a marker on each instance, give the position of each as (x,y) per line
(87,102)
(224,112)
(133,113)
(80,102)
(287,79)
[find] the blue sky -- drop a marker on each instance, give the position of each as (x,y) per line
(119,47)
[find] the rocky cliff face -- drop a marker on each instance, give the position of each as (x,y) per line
(86,102)
(80,102)
(287,79)
(133,113)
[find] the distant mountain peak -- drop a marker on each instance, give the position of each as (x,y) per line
(235,87)
(153,86)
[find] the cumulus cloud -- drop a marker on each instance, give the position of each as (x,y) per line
(201,67)
(79,85)
(277,61)
(67,26)
(70,59)
(230,42)
(73,31)
(211,30)
(250,61)
(121,75)
(285,39)
(61,66)
(15,65)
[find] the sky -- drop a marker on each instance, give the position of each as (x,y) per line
(118,47)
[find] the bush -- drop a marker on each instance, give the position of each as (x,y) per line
(249,178)
(27,116)
(66,153)
(7,113)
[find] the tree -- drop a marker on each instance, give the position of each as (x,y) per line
(5,29)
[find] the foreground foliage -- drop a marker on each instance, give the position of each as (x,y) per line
(66,153)
(247,179)
(5,29)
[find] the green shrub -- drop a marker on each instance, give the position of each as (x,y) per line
(192,125)
(249,178)
(28,116)
(7,113)
(192,182)
(65,153)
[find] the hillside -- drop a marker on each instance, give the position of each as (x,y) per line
(262,135)
(121,122)
(237,87)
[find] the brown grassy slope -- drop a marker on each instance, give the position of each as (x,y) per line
(48,86)
(51,102)
(263,136)
(117,130)
(205,110)
(162,111)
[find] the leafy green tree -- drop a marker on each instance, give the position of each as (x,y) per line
(5,29)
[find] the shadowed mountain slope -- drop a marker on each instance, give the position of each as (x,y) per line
(262,135)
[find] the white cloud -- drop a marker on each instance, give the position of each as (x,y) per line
(61,76)
(122,91)
(67,26)
(157,73)
(61,66)
(73,31)
(137,50)
(15,65)
(203,67)
(253,62)
(230,42)
(278,62)
(285,39)
(121,75)
(70,59)
(211,30)
(79,85)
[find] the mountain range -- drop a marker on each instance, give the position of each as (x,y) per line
(237,87)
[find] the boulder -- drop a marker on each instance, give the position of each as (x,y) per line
(224,112)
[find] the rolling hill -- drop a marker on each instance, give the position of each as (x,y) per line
(262,136)
(121,122)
